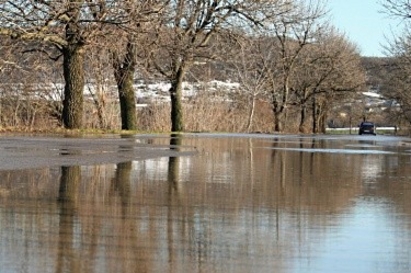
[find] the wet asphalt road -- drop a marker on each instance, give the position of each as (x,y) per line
(31,152)
(28,152)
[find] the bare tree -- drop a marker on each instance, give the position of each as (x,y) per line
(124,69)
(186,32)
(397,8)
(24,98)
(293,31)
(133,38)
(99,85)
(399,49)
(328,72)
(71,26)
(396,86)
(251,59)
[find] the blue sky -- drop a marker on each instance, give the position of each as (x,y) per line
(363,24)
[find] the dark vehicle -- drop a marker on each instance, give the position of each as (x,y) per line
(367,128)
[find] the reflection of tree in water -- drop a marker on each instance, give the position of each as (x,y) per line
(311,179)
(69,183)
(196,212)
(174,162)
(121,184)
(270,206)
(121,181)
(173,177)
(84,233)
(67,259)
(392,182)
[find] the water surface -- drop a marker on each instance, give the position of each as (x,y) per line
(234,203)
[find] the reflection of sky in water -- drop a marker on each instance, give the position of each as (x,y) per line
(220,171)
(153,168)
(157,169)
(371,168)
(335,151)
(365,241)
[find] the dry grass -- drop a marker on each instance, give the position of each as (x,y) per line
(200,115)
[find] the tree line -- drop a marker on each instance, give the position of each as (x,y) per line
(395,71)
(284,54)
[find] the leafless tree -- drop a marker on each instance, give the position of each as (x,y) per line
(399,49)
(186,33)
(70,26)
(397,8)
(24,97)
(251,60)
(99,86)
(328,72)
(133,40)
(396,86)
(293,31)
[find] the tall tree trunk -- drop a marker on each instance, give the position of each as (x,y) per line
(319,117)
(322,113)
(74,85)
(314,115)
(177,121)
(278,122)
(124,75)
(303,119)
(284,108)
(73,54)
(322,122)
(251,113)
(99,102)
(277,114)
(279,103)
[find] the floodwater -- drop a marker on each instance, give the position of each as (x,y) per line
(206,203)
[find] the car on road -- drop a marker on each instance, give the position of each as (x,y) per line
(367,128)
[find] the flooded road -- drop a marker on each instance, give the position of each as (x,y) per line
(206,203)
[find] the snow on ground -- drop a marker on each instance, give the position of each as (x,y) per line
(158,91)
(372,95)
(146,91)
(151,91)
